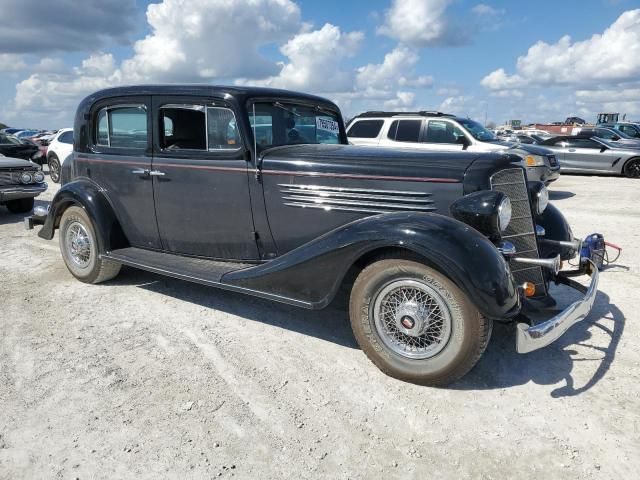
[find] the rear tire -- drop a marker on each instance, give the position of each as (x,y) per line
(54,168)
(21,205)
(415,324)
(632,168)
(79,248)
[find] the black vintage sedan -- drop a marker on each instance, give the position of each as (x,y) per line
(257,191)
(11,146)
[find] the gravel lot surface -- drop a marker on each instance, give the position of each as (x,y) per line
(150,377)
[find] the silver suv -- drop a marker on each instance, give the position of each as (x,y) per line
(441,132)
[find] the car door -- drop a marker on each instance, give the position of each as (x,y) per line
(404,133)
(443,135)
(118,157)
(200,179)
(586,154)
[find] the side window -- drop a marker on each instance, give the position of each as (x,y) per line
(183,127)
(122,127)
(525,139)
(440,131)
(262,125)
(408,130)
(582,143)
(222,129)
(606,134)
(365,128)
(66,137)
(632,132)
(198,127)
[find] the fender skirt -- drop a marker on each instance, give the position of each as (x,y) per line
(312,273)
(86,194)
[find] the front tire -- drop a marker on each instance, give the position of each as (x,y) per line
(632,168)
(79,248)
(54,168)
(415,324)
(21,205)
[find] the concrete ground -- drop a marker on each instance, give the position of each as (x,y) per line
(150,377)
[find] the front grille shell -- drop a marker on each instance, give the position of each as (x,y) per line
(521,229)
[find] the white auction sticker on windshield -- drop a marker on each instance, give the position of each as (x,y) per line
(327,125)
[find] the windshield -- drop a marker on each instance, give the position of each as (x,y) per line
(477,131)
(609,134)
(280,123)
(8,139)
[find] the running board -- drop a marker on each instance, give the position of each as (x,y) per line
(190,269)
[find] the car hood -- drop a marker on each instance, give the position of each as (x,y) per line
(8,162)
(384,162)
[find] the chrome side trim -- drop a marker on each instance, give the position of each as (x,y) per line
(354,190)
(530,338)
(358,200)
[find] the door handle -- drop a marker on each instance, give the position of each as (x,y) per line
(156,173)
(140,171)
(572,149)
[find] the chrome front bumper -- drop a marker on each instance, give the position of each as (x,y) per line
(530,338)
(15,192)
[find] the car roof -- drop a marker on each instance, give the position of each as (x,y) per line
(389,114)
(201,89)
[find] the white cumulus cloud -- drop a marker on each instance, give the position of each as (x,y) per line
(613,56)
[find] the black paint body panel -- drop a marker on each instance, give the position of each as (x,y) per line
(302,214)
(313,272)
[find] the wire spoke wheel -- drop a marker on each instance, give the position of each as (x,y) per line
(412,319)
(79,244)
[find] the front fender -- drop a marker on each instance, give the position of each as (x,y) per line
(84,193)
(312,273)
(557,229)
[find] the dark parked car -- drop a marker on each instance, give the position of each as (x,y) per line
(630,129)
(257,191)
(11,146)
(20,182)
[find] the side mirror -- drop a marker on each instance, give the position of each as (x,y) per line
(603,148)
(464,141)
(615,138)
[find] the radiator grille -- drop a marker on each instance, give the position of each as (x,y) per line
(521,229)
(8,178)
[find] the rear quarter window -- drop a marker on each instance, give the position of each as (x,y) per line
(365,129)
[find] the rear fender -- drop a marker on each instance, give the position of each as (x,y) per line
(313,272)
(86,194)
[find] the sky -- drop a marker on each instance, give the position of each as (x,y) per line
(490,60)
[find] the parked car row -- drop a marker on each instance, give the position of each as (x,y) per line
(50,147)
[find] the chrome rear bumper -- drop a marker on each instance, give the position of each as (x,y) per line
(530,338)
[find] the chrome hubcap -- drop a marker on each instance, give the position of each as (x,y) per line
(78,244)
(412,319)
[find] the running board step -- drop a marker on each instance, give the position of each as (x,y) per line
(197,270)
(200,270)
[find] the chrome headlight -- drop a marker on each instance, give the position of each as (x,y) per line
(26,178)
(487,211)
(539,197)
(38,177)
(504,213)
